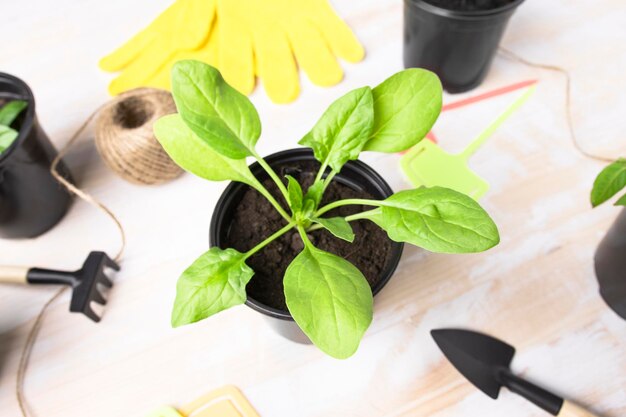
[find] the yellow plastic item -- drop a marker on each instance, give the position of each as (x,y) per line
(270,39)
(224,402)
(227,401)
(165,412)
(184,26)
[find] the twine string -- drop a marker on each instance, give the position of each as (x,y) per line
(510,55)
(154,169)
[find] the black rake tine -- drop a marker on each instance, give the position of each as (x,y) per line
(111,263)
(91,314)
(104,280)
(98,298)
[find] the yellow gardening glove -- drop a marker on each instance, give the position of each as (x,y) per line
(184,27)
(274,37)
(242,38)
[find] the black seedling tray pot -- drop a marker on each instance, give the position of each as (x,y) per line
(610,265)
(458,46)
(31,200)
(354,174)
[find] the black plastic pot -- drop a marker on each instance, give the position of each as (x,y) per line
(354,174)
(458,46)
(31,200)
(610,263)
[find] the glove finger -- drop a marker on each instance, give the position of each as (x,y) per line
(168,24)
(162,78)
(314,55)
(209,53)
(141,69)
(192,25)
(276,65)
(337,33)
(236,58)
(122,56)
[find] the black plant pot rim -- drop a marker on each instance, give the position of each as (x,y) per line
(305,154)
(26,127)
(463,14)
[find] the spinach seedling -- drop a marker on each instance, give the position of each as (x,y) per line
(8,114)
(609,182)
(217,128)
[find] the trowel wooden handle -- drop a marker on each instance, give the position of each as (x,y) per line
(572,410)
(14,274)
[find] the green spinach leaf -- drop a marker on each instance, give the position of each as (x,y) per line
(437,219)
(314,194)
(10,111)
(7,136)
(609,182)
(343,130)
(216,112)
(195,155)
(294,192)
(330,300)
(406,107)
(215,282)
(338,226)
(621,201)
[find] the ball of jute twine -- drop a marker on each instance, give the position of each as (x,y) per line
(125,140)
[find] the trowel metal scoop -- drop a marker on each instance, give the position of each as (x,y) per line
(485,362)
(84,281)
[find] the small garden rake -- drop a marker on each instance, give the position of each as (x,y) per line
(84,282)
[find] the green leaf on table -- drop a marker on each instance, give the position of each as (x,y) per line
(220,115)
(7,137)
(437,219)
(338,226)
(10,111)
(194,155)
(609,182)
(406,107)
(294,194)
(215,282)
(621,201)
(343,130)
(330,300)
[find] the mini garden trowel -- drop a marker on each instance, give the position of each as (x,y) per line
(485,362)
(426,164)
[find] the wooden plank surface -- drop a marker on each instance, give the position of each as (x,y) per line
(536,290)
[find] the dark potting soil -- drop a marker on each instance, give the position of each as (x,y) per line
(255,219)
(469,5)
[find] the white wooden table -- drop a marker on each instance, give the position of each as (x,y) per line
(536,290)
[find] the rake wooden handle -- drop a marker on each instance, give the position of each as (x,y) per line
(572,410)
(13,274)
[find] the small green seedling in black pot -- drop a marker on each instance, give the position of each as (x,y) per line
(217,128)
(8,113)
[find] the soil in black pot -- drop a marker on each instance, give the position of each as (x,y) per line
(255,219)
(469,5)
